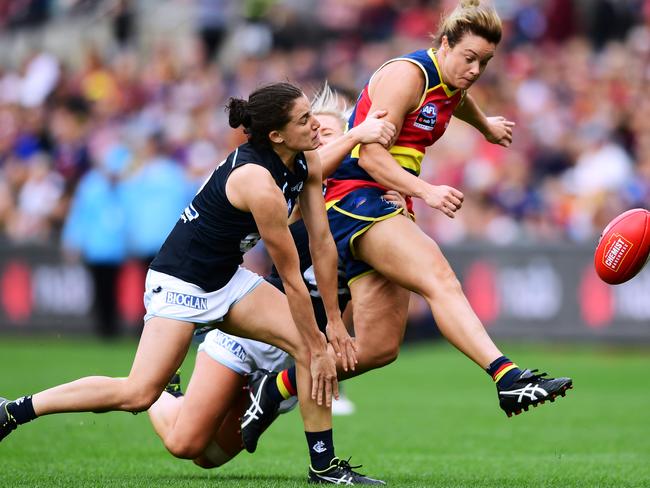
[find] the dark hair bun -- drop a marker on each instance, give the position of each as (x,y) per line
(238,113)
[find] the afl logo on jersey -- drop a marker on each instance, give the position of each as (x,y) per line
(427,117)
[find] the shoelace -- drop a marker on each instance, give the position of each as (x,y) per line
(345,465)
(536,375)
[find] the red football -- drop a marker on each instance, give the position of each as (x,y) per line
(623,247)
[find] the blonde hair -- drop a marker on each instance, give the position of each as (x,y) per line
(327,102)
(470,17)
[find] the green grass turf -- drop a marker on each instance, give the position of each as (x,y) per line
(430,419)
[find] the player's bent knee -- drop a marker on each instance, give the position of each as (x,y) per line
(381,355)
(385,357)
(443,281)
(183,448)
(301,357)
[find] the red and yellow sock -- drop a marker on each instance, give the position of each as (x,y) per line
(284,385)
(503,371)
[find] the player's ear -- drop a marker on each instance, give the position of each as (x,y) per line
(276,137)
(444,43)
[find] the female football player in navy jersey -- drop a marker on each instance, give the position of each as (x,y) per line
(214,401)
(196,278)
(386,254)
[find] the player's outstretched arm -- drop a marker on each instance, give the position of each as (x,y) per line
(497,130)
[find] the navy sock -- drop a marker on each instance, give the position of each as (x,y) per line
(22,410)
(321,449)
(503,371)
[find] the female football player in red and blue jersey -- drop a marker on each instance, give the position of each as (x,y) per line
(385,252)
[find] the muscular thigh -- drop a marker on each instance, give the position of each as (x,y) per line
(263,315)
(162,347)
(380,309)
(401,251)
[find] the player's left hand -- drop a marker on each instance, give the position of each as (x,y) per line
(342,343)
(499,131)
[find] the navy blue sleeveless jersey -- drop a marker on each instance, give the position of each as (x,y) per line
(209,240)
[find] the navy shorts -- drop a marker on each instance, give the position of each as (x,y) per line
(350,217)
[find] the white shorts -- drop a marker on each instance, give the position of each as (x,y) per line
(172,298)
(245,356)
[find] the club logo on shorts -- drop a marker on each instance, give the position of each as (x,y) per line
(427,117)
(232,346)
(190,301)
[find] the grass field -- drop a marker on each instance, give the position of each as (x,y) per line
(430,419)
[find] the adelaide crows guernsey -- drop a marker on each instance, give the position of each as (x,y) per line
(421,128)
(208,242)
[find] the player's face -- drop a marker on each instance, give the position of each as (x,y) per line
(465,62)
(301,132)
(330,128)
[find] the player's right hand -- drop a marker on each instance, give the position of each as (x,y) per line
(444,198)
(324,383)
(375,129)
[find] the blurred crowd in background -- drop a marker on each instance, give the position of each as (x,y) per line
(103,143)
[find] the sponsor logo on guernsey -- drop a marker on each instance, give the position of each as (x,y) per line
(616,250)
(232,346)
(190,301)
(427,117)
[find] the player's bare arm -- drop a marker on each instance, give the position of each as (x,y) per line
(398,88)
(251,188)
(325,261)
(497,130)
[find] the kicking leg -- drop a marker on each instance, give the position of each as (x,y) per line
(400,251)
